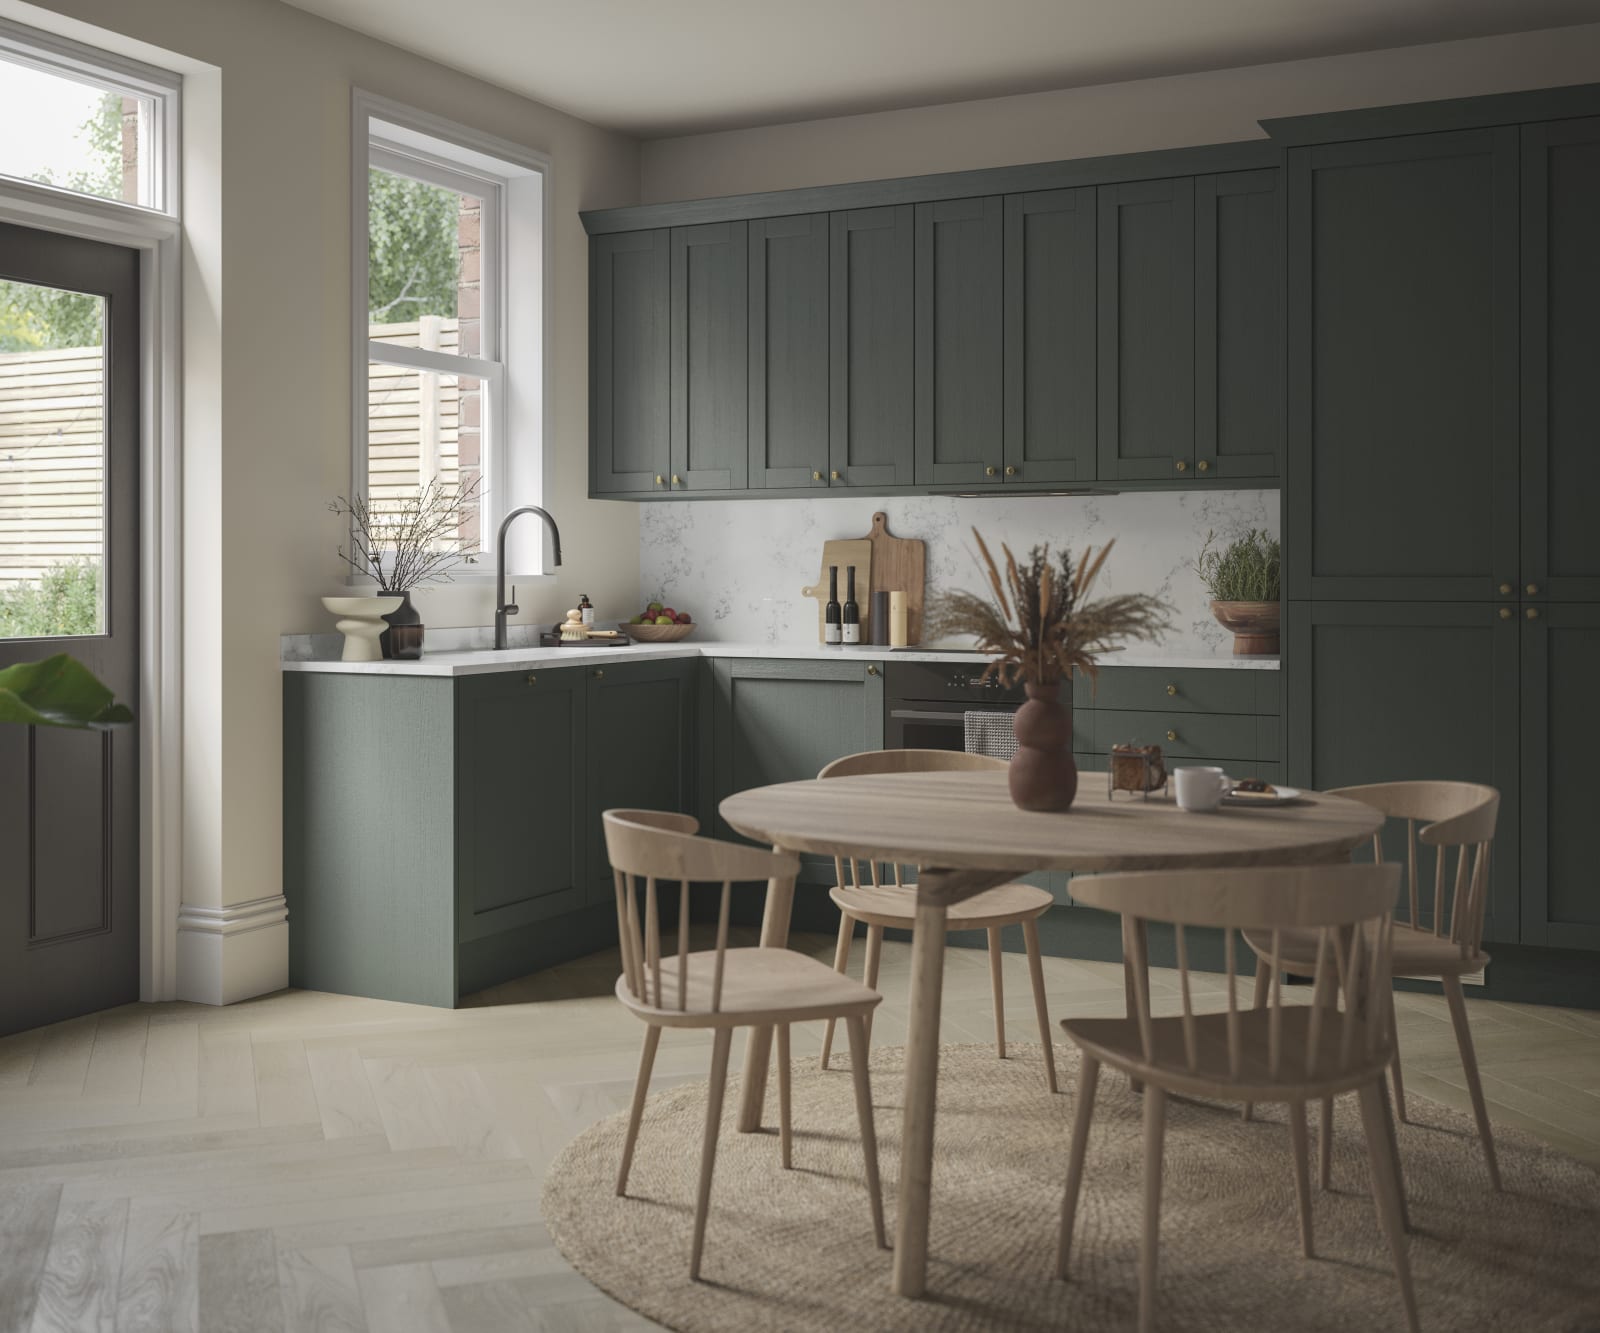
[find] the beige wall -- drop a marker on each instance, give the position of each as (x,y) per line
(267,272)
(1174,112)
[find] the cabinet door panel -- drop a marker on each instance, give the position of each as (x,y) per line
(1403,386)
(1238,325)
(1560,739)
(520,842)
(872,347)
(630,335)
(1398,691)
(960,355)
(789,351)
(1146,311)
(710,357)
(1560,358)
(1050,336)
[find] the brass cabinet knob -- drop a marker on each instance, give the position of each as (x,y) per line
(1533,590)
(1505,590)
(1532,613)
(1203,465)
(1505,613)
(816,476)
(991,471)
(677,480)
(532,679)
(660,480)
(871,670)
(1182,466)
(1172,689)
(1011,471)
(598,672)
(1172,735)
(834,476)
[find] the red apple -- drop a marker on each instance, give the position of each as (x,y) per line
(668,612)
(683,618)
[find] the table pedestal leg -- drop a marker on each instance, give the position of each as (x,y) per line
(922,1082)
(758,1049)
(1135,947)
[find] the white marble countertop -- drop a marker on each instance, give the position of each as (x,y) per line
(481,661)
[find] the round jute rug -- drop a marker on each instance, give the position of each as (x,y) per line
(793,1249)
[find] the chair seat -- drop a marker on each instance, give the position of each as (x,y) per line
(1116,1042)
(895,906)
(1416,952)
(759,987)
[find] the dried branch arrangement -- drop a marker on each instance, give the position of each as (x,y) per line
(400,544)
(1040,624)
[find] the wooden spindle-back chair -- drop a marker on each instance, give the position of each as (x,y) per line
(720,988)
(1282,1051)
(1439,925)
(882,898)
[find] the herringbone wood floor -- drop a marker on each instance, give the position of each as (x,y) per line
(317,1162)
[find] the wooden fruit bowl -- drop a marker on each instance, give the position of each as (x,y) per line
(1254,625)
(657,633)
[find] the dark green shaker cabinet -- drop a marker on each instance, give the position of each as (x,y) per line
(960,365)
(1560,361)
(872,347)
(1146,330)
(1403,367)
(789,352)
(1050,336)
(710,358)
(630,362)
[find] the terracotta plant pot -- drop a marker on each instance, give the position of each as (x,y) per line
(1254,625)
(1044,775)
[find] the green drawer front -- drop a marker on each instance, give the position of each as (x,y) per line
(1197,690)
(1181,736)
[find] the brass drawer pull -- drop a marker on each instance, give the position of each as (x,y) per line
(677,480)
(1533,613)
(871,670)
(834,476)
(1533,590)
(1203,465)
(660,480)
(1505,590)
(1182,466)
(816,476)
(1505,613)
(1011,471)
(1172,689)
(532,679)
(598,672)
(1172,735)
(990,471)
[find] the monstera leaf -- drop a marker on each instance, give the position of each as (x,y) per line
(57,692)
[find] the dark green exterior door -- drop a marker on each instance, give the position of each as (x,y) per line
(630,362)
(1560,739)
(872,347)
(1146,309)
(1400,691)
(520,833)
(1238,280)
(789,352)
(710,358)
(960,374)
(641,748)
(1560,360)
(1050,336)
(1402,469)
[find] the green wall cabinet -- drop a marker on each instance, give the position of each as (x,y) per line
(789,352)
(630,363)
(710,358)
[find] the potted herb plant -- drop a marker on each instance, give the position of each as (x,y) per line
(1039,627)
(1243,579)
(402,544)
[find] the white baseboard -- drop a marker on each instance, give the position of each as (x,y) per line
(227,954)
(1478,978)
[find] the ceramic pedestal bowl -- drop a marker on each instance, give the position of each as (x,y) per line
(361,622)
(1254,625)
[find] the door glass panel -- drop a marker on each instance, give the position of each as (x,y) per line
(52,462)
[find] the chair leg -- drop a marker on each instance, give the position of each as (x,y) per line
(998,986)
(1030,938)
(1263,980)
(1394,1064)
(1386,1195)
(856,1025)
(1155,1125)
(841,960)
(641,1087)
(1325,1146)
(1302,1172)
(1083,1113)
(722,1043)
(870,978)
(1392,1142)
(1469,1066)
(785,1131)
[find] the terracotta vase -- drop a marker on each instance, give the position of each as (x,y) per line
(1044,775)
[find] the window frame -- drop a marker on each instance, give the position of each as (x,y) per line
(513,460)
(159,144)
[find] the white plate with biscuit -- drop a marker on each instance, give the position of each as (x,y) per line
(1270,794)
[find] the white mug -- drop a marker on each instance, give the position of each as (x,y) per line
(1200,788)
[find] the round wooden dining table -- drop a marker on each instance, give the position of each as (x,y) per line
(963,833)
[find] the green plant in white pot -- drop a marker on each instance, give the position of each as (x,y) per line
(1244,580)
(57,692)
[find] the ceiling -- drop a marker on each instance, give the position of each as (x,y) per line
(655,68)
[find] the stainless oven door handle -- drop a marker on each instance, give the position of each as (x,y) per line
(921,715)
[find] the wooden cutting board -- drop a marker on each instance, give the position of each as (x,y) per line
(899,564)
(858,553)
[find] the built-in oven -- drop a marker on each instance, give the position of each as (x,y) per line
(926,702)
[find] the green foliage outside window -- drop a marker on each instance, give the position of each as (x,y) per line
(65,601)
(413,261)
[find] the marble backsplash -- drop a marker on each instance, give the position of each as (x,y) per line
(738,566)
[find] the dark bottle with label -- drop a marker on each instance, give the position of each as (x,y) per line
(832,617)
(852,613)
(585,609)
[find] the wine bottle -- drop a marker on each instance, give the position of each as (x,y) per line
(832,619)
(852,612)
